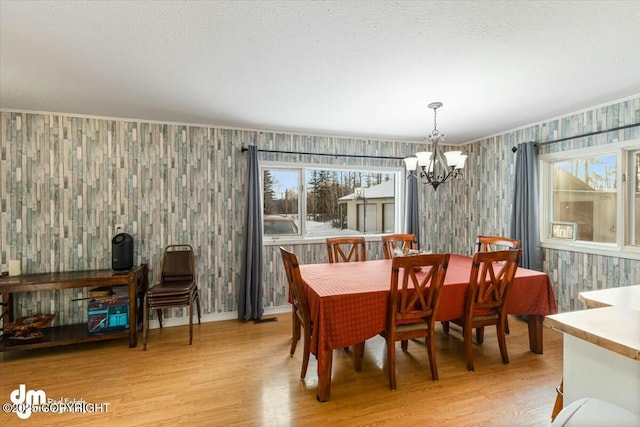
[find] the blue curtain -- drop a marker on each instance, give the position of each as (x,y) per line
(524,216)
(250,301)
(412,214)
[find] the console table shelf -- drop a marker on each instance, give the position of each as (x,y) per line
(137,280)
(60,335)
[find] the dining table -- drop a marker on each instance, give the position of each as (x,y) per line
(348,304)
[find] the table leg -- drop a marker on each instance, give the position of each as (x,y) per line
(534,322)
(324,375)
(136,277)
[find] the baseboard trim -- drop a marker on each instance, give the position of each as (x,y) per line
(213,317)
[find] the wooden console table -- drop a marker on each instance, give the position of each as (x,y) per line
(137,279)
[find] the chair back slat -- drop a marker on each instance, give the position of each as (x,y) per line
(492,275)
(416,282)
(398,241)
(495,243)
(346,249)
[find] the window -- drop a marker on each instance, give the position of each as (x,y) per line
(281,196)
(584,193)
(591,199)
(634,198)
(319,202)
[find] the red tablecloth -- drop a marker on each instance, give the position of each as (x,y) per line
(348,301)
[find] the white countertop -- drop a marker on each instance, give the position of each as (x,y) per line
(614,328)
(624,296)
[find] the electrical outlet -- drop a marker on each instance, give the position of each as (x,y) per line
(119,228)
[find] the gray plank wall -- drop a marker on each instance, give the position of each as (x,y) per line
(65,181)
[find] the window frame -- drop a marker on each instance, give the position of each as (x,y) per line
(400,188)
(624,200)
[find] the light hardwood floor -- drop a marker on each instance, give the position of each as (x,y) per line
(240,374)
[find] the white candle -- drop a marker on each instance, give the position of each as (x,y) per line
(14,267)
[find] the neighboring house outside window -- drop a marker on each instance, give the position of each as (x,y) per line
(370,210)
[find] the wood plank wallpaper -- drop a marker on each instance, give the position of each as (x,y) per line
(65,181)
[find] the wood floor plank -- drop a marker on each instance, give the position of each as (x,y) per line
(241,374)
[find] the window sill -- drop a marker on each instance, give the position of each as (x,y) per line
(299,240)
(628,252)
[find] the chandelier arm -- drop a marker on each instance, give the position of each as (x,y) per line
(442,160)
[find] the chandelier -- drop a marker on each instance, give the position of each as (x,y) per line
(436,167)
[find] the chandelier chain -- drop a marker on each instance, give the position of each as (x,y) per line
(435,124)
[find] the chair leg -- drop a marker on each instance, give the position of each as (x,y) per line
(502,342)
(391,360)
(431,352)
(191,320)
(145,322)
(557,406)
(159,311)
(198,305)
(445,326)
(506,325)
(404,344)
(480,335)
(358,353)
(468,346)
(306,352)
(295,332)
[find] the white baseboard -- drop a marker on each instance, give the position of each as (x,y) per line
(214,317)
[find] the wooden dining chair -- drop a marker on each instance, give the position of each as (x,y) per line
(416,282)
(490,281)
(176,287)
(496,243)
(398,241)
(299,308)
(346,249)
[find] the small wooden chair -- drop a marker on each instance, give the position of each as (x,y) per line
(416,282)
(398,241)
(354,246)
(485,302)
(299,308)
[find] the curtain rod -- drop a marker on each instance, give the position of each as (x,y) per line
(540,144)
(360,156)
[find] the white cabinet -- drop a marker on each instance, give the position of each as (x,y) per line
(601,355)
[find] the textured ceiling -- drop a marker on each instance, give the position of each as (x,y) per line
(353,68)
